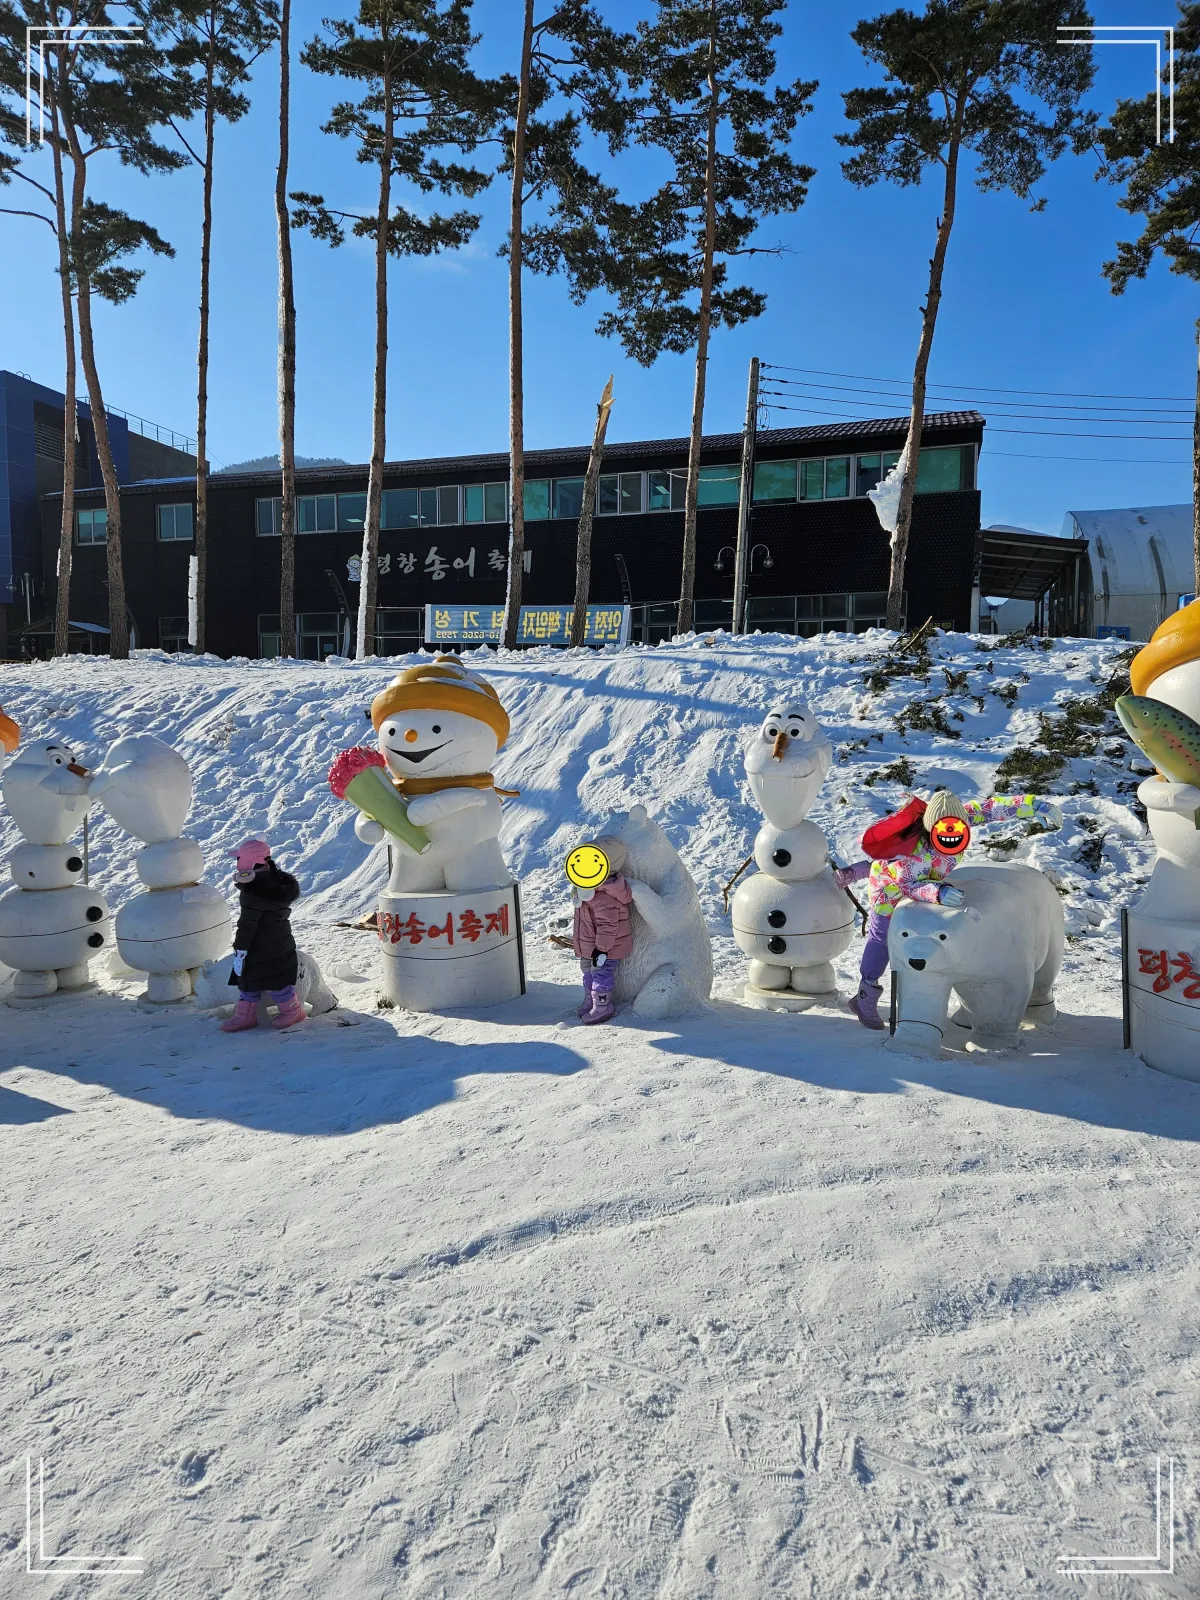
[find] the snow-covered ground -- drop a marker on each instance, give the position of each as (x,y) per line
(496,1305)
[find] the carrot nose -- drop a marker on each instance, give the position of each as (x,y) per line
(780,745)
(411,736)
(80,772)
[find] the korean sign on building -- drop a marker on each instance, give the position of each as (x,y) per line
(539,624)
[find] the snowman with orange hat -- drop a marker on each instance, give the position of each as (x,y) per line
(1163,933)
(450,914)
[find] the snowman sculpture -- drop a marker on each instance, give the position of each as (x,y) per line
(51,925)
(1163,933)
(790,918)
(450,918)
(179,923)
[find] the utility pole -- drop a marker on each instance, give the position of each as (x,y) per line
(745,498)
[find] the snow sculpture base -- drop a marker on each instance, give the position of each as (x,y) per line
(169,934)
(788,999)
(1163,974)
(445,950)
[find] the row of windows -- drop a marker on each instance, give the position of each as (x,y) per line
(939,468)
(172,523)
(619,494)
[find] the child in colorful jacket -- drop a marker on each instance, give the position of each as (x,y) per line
(264,948)
(603,934)
(923,873)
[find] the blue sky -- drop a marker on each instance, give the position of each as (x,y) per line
(1025,307)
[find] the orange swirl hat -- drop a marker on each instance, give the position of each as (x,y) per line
(10,734)
(1172,644)
(443,684)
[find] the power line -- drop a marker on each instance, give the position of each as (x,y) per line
(933,390)
(1018,416)
(1106,461)
(1063,394)
(1050,433)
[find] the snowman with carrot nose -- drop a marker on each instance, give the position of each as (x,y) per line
(910,857)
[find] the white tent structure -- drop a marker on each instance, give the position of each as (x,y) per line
(1141,564)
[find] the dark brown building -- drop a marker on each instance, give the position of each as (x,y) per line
(819,559)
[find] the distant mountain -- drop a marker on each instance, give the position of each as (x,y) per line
(268,463)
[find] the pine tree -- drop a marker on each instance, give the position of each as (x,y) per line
(109,99)
(1161,178)
(215,43)
(287,349)
(696,76)
(419,97)
(53,211)
(962,75)
(570,60)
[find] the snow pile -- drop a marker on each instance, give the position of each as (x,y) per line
(497,1305)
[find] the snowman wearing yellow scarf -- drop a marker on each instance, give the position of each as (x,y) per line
(439,727)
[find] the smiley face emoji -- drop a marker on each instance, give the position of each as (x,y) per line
(950,836)
(587,866)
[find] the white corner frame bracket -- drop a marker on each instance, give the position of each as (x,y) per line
(1152,1564)
(1086,34)
(36,1559)
(81,33)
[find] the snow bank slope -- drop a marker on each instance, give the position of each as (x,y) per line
(501,1306)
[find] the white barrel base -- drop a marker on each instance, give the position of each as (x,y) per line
(785,999)
(915,1039)
(447,950)
(49,997)
(166,988)
(1164,1000)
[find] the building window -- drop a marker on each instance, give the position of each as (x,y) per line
(91,527)
(568,497)
(316,513)
(351,512)
(268,520)
(448,508)
(837,477)
(812,480)
(659,491)
(776,480)
(537,499)
(398,630)
(941,469)
(174,522)
(268,630)
(867,473)
(718,486)
(399,509)
(173,635)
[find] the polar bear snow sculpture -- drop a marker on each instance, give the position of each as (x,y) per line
(213,991)
(669,970)
(1000,953)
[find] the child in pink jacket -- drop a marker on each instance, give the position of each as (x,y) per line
(603,934)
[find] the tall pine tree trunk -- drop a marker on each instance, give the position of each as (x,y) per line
(201,528)
(516,360)
(687,590)
(66,532)
(287,356)
(118,626)
(587,511)
(370,548)
(929,311)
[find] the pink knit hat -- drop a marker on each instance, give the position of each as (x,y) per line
(250,853)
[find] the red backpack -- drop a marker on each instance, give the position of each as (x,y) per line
(897,835)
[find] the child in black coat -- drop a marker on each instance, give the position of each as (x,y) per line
(264,947)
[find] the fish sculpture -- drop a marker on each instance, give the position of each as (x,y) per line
(1168,736)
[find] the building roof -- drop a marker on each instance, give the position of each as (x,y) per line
(772,443)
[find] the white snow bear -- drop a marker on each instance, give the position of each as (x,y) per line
(1000,952)
(214,990)
(439,728)
(669,970)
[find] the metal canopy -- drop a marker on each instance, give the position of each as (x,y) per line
(1052,573)
(1022,566)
